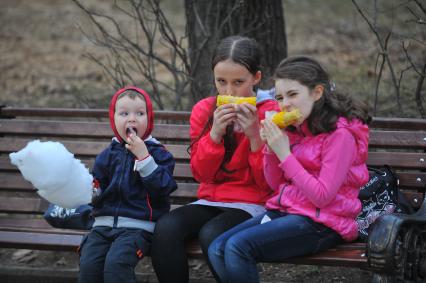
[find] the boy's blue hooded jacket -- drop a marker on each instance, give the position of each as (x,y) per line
(124,191)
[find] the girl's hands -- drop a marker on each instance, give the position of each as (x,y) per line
(137,146)
(248,120)
(276,139)
(222,117)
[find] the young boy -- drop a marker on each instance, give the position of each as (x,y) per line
(133,180)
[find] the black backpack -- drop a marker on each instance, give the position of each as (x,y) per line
(378,197)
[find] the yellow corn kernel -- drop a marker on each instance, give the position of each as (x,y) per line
(285,119)
(227,99)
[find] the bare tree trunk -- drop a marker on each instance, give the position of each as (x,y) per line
(209,21)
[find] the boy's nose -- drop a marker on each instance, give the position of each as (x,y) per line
(132,117)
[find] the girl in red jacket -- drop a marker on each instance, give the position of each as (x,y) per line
(315,169)
(226,159)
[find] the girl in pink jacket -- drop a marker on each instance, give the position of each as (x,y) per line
(315,168)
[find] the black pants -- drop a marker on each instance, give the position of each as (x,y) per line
(188,222)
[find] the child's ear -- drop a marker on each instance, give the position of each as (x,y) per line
(318,92)
(257,77)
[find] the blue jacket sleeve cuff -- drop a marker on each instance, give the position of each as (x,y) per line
(146,166)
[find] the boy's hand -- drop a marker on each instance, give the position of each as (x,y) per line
(137,146)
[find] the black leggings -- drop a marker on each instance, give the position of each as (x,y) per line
(184,223)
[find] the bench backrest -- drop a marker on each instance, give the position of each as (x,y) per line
(398,142)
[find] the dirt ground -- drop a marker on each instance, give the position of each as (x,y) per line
(43,63)
(273,273)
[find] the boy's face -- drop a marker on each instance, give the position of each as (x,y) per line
(130,116)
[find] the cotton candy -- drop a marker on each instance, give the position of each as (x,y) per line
(55,173)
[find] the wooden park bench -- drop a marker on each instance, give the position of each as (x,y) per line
(396,248)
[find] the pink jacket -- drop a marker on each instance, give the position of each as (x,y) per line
(322,176)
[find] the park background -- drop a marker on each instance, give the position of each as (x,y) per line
(45,62)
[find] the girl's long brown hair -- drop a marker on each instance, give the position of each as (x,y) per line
(331,105)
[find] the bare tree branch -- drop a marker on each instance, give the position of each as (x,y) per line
(411,61)
(420,6)
(379,76)
(418,19)
(419,91)
(383,47)
(134,57)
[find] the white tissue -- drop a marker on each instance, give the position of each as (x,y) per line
(269,114)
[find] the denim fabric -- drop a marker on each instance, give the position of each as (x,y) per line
(235,253)
(111,254)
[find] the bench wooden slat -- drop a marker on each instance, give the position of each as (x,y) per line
(84,149)
(398,123)
(74,112)
(39,241)
(341,256)
(335,257)
(23,205)
(377,122)
(34,223)
(181,169)
(398,139)
(413,180)
(78,148)
(36,205)
(405,160)
(175,132)
(15,182)
(83,129)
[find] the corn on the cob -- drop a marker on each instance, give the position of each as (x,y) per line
(285,119)
(226,99)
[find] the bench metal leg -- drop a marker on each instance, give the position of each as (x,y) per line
(396,247)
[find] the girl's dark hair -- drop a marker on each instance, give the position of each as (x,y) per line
(331,105)
(246,52)
(241,50)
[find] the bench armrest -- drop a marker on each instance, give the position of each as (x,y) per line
(397,245)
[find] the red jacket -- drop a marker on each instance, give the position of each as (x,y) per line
(246,183)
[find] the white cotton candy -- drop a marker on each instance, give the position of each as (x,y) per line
(52,169)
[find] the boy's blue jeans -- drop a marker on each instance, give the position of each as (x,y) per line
(235,253)
(111,254)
